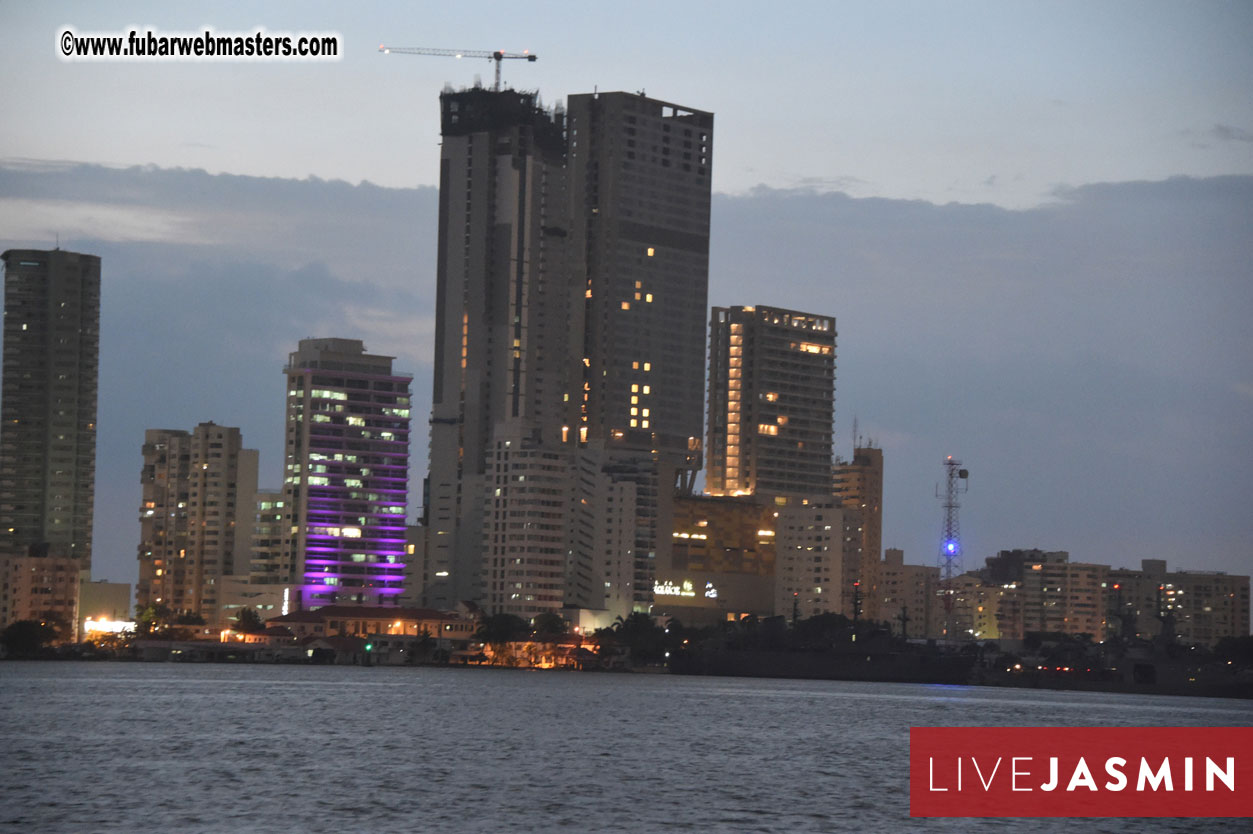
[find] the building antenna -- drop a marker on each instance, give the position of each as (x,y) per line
(950,558)
(854,435)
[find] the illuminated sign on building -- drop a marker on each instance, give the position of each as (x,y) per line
(105,626)
(667,588)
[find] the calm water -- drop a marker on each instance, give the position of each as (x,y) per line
(110,747)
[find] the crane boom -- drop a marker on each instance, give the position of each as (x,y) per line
(496,56)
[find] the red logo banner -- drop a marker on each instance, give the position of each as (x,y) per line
(1081,771)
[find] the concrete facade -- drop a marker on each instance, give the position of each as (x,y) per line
(196,517)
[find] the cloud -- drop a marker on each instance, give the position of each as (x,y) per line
(68,220)
(828,183)
(1227,133)
(1071,354)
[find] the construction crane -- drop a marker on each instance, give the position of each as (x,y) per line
(498,56)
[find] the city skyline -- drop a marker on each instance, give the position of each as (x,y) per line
(1109,306)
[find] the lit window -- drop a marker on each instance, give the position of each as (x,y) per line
(651,251)
(648,297)
(626,305)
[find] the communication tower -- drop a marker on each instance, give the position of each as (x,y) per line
(950,559)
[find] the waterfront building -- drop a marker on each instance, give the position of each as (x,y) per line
(909,590)
(1048,593)
(366,620)
(238,592)
(48,423)
(505,347)
(723,560)
(601,567)
(640,173)
(1203,607)
(196,517)
(266,563)
(982,611)
(771,413)
(859,488)
(345,481)
(572,278)
(43,588)
(771,402)
(105,604)
(809,558)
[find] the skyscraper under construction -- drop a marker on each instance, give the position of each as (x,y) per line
(572,280)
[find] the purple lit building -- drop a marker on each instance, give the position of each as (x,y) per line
(346,476)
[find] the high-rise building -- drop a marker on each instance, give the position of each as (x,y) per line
(345,482)
(572,277)
(505,351)
(771,412)
(640,173)
(197,516)
(859,488)
(48,416)
(771,402)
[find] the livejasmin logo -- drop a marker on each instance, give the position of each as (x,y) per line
(1149,779)
(1081,771)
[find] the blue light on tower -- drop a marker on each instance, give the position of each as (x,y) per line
(951,547)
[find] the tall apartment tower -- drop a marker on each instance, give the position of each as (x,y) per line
(771,402)
(859,488)
(48,425)
(196,518)
(640,172)
(48,403)
(346,475)
(572,279)
(505,350)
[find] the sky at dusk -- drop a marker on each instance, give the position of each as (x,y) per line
(1032,221)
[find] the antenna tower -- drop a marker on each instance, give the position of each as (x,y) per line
(950,559)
